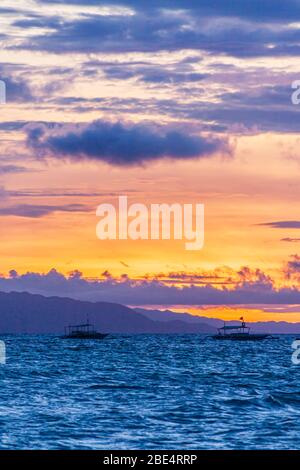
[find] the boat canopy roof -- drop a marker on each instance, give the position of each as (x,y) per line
(233,327)
(83,325)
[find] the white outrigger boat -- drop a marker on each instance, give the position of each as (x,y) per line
(239,333)
(83,331)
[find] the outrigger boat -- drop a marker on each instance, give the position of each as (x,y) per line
(84,331)
(239,333)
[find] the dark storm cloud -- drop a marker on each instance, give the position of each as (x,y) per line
(118,144)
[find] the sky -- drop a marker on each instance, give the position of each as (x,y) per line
(162,101)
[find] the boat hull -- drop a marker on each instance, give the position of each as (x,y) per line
(85,336)
(241,337)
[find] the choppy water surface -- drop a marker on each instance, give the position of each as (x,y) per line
(148,392)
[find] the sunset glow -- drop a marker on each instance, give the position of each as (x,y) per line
(161,117)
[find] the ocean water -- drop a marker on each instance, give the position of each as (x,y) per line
(149,392)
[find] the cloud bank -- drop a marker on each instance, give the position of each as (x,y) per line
(253,287)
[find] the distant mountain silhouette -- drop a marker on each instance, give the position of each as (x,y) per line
(35,314)
(272,327)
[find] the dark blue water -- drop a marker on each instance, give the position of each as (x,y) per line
(149,392)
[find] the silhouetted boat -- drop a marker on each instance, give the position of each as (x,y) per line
(239,333)
(83,331)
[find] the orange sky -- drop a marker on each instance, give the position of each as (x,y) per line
(258,183)
(238,194)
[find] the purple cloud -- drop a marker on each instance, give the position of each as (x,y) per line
(36,211)
(120,144)
(283,224)
(259,290)
(292,270)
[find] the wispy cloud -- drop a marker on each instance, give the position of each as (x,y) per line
(283,224)
(37,211)
(8,169)
(246,30)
